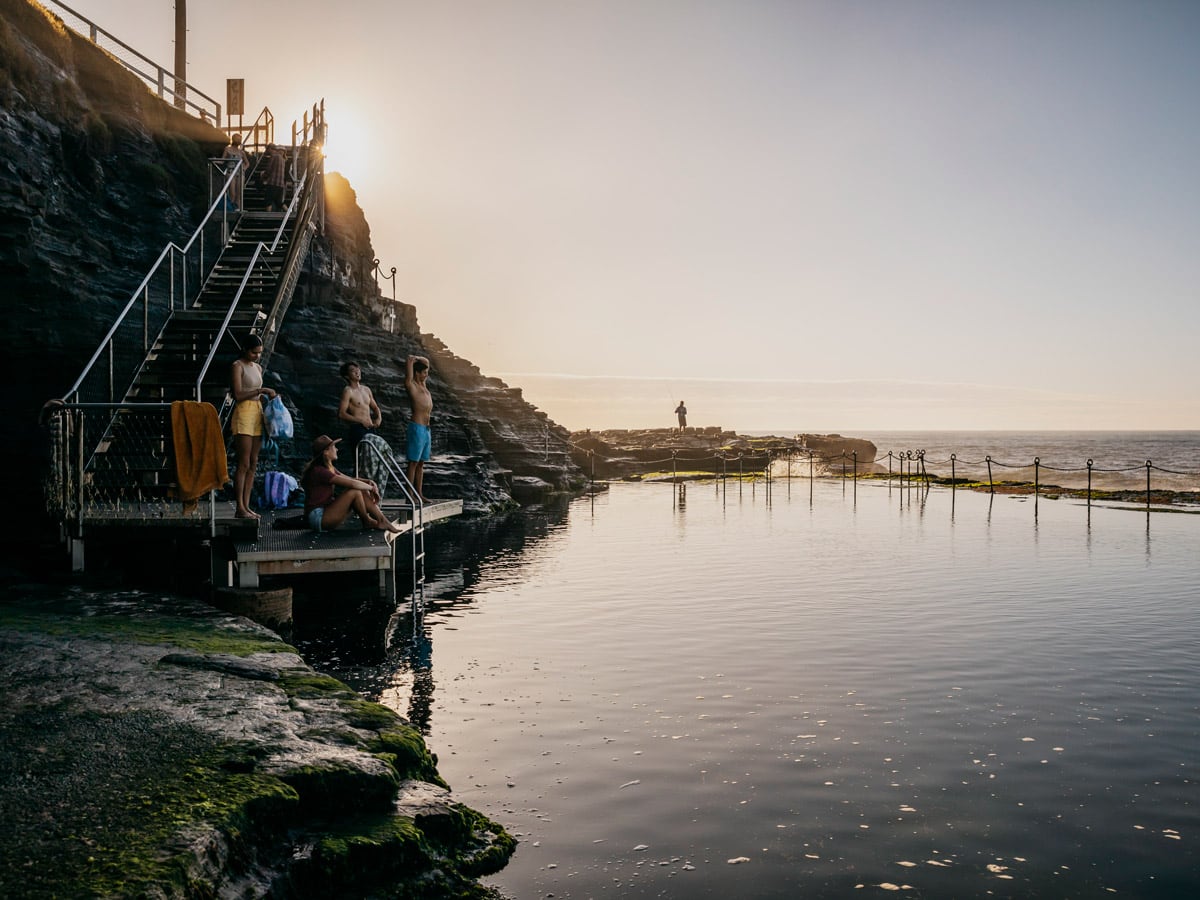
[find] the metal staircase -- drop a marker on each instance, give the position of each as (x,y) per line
(113,451)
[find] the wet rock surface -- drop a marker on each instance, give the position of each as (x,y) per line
(156,747)
(624,453)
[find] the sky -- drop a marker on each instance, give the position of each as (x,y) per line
(796,216)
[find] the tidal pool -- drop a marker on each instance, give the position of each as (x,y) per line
(730,693)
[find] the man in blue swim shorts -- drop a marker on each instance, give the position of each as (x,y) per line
(416,372)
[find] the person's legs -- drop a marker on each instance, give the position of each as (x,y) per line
(370,513)
(251,469)
(243,479)
(418,481)
(337,511)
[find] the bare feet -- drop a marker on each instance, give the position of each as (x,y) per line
(244,514)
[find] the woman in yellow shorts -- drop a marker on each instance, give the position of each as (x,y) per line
(246,384)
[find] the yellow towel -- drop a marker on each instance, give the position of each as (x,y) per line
(200,462)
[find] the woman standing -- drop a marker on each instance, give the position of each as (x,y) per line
(246,384)
(323,509)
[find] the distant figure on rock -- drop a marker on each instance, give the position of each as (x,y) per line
(419,439)
(235,154)
(246,386)
(681,413)
(324,509)
(273,176)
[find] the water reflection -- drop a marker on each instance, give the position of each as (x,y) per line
(384,649)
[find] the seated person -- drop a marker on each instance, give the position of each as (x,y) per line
(324,509)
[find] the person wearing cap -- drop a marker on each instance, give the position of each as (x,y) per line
(324,509)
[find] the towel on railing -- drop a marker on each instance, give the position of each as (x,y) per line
(200,461)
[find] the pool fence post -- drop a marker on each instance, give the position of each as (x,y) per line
(991,484)
(924,471)
(810,477)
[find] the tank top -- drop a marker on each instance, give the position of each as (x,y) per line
(252,377)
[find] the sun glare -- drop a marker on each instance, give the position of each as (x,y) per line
(346,149)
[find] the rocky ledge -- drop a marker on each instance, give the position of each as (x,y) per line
(634,454)
(156,747)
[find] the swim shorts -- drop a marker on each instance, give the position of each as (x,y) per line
(248,417)
(314,518)
(419,442)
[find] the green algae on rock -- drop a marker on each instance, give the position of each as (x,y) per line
(157,747)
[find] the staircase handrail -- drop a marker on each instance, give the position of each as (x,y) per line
(264,124)
(220,335)
(305,201)
(300,209)
(163,75)
(142,290)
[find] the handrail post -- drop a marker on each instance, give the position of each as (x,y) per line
(1147,487)
(953,475)
(991,483)
(1089,492)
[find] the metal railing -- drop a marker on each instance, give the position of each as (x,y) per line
(165,83)
(380,464)
(165,288)
(114,367)
(136,485)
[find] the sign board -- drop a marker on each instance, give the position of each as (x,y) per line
(235,96)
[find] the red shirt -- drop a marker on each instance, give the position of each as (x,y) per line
(318,488)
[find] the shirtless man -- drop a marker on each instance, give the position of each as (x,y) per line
(416,371)
(357,407)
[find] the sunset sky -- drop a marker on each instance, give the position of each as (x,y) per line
(794,215)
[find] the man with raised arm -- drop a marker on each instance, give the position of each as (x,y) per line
(416,372)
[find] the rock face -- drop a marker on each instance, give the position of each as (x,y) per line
(97,175)
(490,447)
(621,453)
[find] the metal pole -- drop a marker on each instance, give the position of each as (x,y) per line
(1037,462)
(1147,487)
(991,484)
(1089,496)
(854,454)
(810,477)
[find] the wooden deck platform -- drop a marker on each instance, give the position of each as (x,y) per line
(245,550)
(275,551)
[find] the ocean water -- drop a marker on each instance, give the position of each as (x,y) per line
(736,693)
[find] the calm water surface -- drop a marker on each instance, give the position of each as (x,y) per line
(888,690)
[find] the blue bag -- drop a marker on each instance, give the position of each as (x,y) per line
(277,419)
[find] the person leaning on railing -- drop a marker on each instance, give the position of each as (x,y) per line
(246,385)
